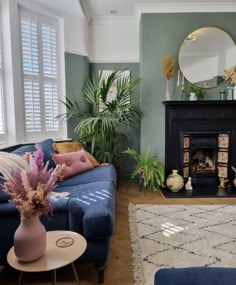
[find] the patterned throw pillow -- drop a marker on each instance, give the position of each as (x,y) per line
(72,163)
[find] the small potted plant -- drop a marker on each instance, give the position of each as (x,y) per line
(193,91)
(148,169)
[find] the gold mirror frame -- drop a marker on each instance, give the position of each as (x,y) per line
(204,54)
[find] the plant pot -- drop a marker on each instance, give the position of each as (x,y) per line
(174,181)
(192,97)
(30,239)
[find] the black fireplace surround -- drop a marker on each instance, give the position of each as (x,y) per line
(200,122)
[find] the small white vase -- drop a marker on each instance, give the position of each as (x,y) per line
(167,91)
(234,94)
(174,181)
(188,185)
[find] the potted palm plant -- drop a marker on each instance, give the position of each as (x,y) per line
(101,128)
(148,169)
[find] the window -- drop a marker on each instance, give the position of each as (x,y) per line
(41,73)
(2,115)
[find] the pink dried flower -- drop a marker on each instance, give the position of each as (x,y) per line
(29,190)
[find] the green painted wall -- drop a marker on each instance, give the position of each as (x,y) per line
(133,135)
(76,71)
(160,33)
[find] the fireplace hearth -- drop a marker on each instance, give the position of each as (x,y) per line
(199,140)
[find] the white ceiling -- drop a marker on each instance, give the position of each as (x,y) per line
(102,8)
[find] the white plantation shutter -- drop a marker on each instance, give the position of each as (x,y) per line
(50,71)
(2,115)
(41,65)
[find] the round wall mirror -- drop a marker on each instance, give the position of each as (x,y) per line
(204,54)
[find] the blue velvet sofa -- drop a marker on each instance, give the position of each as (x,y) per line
(88,210)
(196,276)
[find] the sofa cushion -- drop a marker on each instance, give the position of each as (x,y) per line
(47,149)
(101,173)
(97,201)
(23,149)
(10,162)
(65,147)
(3,196)
(92,159)
(72,163)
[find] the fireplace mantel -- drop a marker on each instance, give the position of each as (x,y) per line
(199,102)
(197,116)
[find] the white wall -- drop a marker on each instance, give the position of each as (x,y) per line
(114,40)
(75,27)
(76,35)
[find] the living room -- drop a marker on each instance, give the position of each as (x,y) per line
(133,36)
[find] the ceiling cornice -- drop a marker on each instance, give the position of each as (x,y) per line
(184,8)
(87,9)
(159,8)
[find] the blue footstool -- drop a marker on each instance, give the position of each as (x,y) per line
(196,276)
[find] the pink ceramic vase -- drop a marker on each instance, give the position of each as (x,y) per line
(30,239)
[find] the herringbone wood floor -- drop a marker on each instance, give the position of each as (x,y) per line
(119,270)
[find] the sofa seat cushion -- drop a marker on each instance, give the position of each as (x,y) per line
(97,202)
(101,173)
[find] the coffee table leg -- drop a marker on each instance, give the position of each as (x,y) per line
(75,272)
(54,280)
(20,277)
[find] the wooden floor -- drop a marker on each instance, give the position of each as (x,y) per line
(119,270)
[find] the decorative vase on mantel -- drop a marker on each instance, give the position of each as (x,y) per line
(174,181)
(167,91)
(234,93)
(30,239)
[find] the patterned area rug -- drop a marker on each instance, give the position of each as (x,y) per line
(181,236)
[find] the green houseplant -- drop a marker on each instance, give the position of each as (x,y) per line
(102,126)
(190,89)
(149,170)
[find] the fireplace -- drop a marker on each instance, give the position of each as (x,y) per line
(205,157)
(199,140)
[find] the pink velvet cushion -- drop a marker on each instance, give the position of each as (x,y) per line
(72,163)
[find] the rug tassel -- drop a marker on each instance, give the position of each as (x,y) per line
(136,249)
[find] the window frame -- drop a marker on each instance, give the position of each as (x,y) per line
(3,136)
(60,79)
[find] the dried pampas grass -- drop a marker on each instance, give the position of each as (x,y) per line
(168,66)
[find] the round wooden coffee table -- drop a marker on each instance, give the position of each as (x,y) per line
(63,248)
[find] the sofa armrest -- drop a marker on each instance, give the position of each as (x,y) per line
(67,215)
